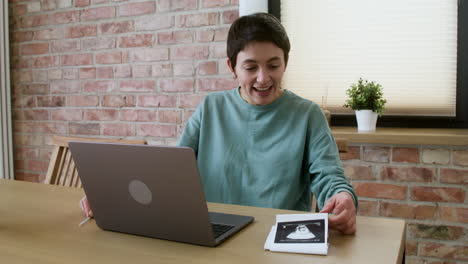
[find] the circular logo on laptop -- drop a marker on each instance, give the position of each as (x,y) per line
(140,192)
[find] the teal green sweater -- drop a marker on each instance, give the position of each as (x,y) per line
(267,156)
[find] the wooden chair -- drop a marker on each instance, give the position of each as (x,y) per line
(62,170)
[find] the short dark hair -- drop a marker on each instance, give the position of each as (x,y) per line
(258,27)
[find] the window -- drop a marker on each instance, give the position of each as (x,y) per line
(451,109)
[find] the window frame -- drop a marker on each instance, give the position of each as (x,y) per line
(460,120)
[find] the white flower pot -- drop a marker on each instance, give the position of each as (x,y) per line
(366,120)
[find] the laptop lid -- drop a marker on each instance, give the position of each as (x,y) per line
(152,191)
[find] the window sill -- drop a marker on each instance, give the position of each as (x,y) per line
(406,136)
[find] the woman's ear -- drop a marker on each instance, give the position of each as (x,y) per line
(233,71)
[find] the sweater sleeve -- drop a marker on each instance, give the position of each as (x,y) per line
(324,164)
(191,135)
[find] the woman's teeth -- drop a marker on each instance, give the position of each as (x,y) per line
(262,89)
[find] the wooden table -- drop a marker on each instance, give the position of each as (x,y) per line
(39,224)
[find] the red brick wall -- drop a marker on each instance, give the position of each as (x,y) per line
(424,185)
(138,69)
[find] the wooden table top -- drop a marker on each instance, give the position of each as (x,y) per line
(39,224)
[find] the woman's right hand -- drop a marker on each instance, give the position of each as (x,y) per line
(84,205)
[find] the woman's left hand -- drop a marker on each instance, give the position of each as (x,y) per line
(344,210)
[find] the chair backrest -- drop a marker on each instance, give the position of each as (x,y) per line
(62,170)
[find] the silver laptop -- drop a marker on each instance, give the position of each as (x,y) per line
(150,191)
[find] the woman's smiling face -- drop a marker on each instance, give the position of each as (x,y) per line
(259,70)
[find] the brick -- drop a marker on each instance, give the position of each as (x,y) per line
(98,13)
(100,115)
(176,85)
(442,232)
(218,50)
(123,71)
(50,101)
(118,101)
(143,40)
(411,248)
(99,86)
(83,100)
(26,176)
(410,174)
(26,153)
(66,45)
(205,35)
(137,85)
(436,156)
(35,48)
(157,101)
(61,87)
(77,59)
(81,3)
(409,155)
(54,74)
(45,61)
(190,100)
(34,21)
(161,70)
(460,157)
(147,130)
(175,37)
(64,3)
(32,165)
(140,71)
(454,176)
(136,9)
(197,20)
(137,115)
(439,250)
(230,16)
(99,43)
(83,128)
(170,116)
(208,68)
(28,140)
(183,69)
(35,89)
(48,5)
(354,152)
(96,2)
(214,3)
(438,194)
(64,17)
(22,76)
(359,172)
(376,154)
(216,84)
(154,23)
(221,34)
(408,211)
(105,72)
(67,114)
(116,27)
(380,190)
(368,208)
(149,54)
(19,10)
(81,31)
(39,76)
(49,34)
(70,73)
(453,214)
(50,128)
(23,36)
(121,130)
(114,57)
(177,5)
(87,73)
(36,114)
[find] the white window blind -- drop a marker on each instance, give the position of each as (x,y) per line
(408,46)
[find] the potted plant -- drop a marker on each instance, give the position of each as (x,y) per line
(366,98)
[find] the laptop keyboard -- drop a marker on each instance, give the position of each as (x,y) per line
(219,229)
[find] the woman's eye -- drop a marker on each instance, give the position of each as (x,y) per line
(274,66)
(250,68)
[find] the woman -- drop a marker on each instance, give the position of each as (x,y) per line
(260,145)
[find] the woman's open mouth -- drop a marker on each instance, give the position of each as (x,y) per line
(263,91)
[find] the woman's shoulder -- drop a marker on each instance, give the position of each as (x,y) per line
(219,97)
(301,103)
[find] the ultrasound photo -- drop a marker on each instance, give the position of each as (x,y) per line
(310,231)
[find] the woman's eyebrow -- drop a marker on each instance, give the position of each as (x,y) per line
(254,61)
